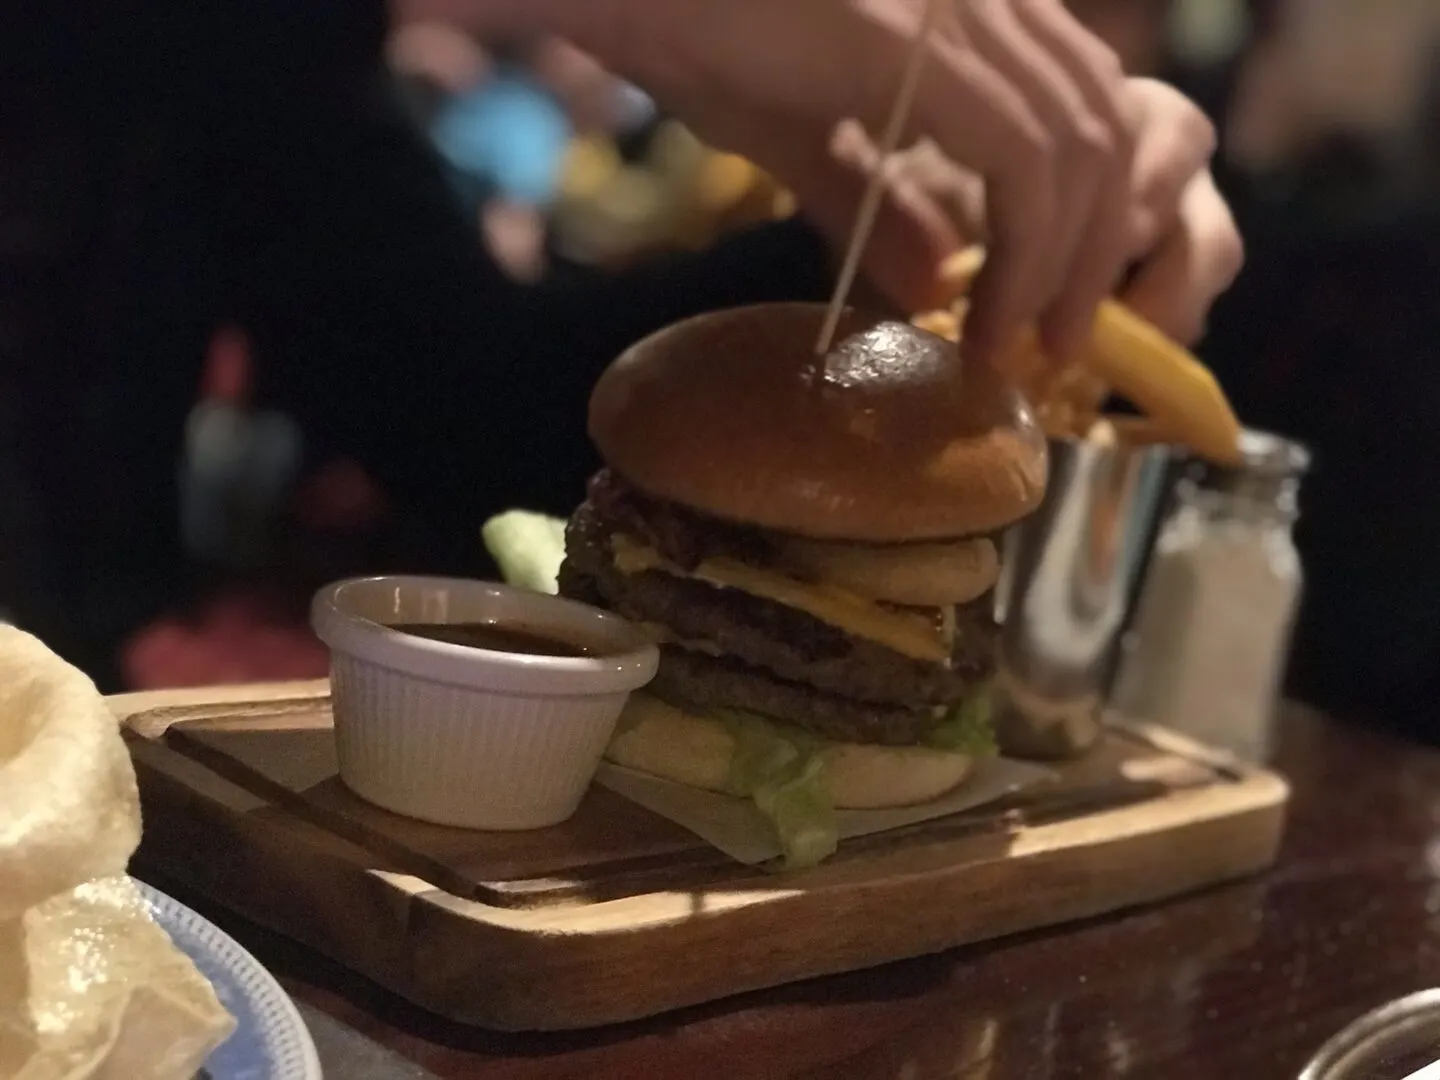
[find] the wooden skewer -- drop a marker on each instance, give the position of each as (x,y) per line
(870,202)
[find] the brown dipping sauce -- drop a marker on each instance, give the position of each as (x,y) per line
(498,638)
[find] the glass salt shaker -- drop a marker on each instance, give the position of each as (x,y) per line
(1208,646)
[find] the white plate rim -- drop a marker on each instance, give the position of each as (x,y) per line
(158,902)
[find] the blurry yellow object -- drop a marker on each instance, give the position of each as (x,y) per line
(683,195)
(943,323)
(725,179)
(674,149)
(960,270)
(590,164)
(1177,393)
(620,218)
(708,191)
(1165,382)
(633,198)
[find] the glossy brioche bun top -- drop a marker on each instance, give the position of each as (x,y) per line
(890,437)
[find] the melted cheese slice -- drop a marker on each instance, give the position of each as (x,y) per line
(918,636)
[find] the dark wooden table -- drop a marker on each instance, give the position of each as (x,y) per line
(1241,983)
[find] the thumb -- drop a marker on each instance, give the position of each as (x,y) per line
(1195,264)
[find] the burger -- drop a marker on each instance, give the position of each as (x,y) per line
(812,539)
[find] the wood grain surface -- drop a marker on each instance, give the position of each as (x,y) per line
(1241,981)
(619,914)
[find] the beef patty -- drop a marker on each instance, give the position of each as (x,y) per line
(690,680)
(874,693)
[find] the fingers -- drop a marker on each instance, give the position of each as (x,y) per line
(1175,142)
(913,231)
(1082,144)
(932,208)
(1181,231)
(1100,258)
(1027,99)
(1085,148)
(980,119)
(959,191)
(1080,169)
(1197,262)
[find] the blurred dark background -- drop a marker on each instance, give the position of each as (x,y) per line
(245,232)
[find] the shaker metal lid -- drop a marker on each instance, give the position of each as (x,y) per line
(1271,454)
(1270,465)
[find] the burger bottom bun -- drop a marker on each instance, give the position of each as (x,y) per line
(659,739)
(687,748)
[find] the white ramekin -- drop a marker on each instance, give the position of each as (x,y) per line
(463,736)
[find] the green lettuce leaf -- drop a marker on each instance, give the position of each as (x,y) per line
(762,753)
(803,816)
(966,728)
(527,547)
(781,769)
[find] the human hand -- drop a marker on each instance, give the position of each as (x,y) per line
(514,232)
(1180,238)
(592,97)
(1072,172)
(1013,90)
(447,57)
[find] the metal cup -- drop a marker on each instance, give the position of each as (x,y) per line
(1070,578)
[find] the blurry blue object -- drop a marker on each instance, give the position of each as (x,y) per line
(507,138)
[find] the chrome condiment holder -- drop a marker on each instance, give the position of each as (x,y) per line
(1067,589)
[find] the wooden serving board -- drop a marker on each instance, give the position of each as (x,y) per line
(618,913)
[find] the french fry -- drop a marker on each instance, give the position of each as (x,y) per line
(1178,394)
(1164,381)
(959,271)
(1065,404)
(940,323)
(1023,363)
